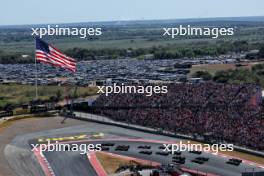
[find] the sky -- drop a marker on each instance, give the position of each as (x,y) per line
(14,12)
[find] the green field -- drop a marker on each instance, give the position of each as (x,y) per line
(64,44)
(20,94)
(143,35)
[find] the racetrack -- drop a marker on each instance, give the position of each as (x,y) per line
(70,163)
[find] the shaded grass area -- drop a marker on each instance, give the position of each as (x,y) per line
(20,94)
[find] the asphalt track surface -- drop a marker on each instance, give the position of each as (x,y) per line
(68,163)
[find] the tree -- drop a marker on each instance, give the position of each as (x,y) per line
(58,94)
(222,76)
(205,75)
(261,51)
(241,46)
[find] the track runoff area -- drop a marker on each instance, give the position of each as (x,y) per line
(77,154)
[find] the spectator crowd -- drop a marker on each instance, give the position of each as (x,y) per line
(222,112)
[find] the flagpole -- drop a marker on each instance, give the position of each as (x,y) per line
(36,78)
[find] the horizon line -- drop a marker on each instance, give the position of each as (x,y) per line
(130,20)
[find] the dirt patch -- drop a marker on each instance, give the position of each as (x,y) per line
(213,68)
(111,163)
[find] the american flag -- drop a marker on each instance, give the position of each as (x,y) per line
(48,54)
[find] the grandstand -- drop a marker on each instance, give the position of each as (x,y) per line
(228,112)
